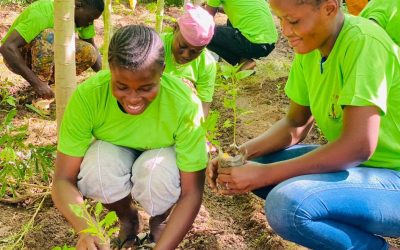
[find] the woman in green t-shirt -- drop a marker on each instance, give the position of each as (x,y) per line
(345,78)
(149,145)
(28,49)
(186,55)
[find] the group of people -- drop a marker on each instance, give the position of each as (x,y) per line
(133,132)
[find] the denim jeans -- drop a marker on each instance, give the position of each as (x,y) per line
(349,209)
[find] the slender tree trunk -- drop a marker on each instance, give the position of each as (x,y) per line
(64,54)
(159,15)
(107,31)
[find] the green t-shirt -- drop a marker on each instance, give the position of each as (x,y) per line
(252,18)
(40,16)
(363,69)
(201,71)
(387,14)
(172,119)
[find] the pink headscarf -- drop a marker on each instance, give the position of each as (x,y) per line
(196,25)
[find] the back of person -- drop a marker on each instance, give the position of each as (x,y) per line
(252,18)
(43,10)
(387,14)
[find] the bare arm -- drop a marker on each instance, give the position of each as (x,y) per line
(206,108)
(98,64)
(12,55)
(356,144)
(211,10)
(185,210)
(290,130)
(65,192)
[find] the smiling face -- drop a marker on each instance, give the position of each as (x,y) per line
(307,26)
(135,90)
(183,51)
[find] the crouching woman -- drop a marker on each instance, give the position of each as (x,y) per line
(133,133)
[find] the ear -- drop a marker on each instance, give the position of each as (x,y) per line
(331,7)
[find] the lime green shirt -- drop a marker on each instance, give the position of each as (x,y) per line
(172,119)
(201,71)
(363,69)
(252,18)
(387,14)
(40,16)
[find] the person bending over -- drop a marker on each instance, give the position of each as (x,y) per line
(28,50)
(132,132)
(186,55)
(250,32)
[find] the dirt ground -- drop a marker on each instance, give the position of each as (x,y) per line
(223,222)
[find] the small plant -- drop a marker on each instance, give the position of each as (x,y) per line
(231,77)
(98,226)
(210,126)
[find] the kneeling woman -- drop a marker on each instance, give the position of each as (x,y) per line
(148,144)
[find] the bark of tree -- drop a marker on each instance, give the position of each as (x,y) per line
(64,54)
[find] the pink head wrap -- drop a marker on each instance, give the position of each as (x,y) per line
(196,25)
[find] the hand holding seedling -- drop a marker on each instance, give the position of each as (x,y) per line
(240,180)
(89,242)
(212,174)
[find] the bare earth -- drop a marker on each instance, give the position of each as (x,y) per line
(223,222)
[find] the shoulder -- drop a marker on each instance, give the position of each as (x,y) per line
(96,86)
(177,92)
(360,30)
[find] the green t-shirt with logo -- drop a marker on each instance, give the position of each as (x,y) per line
(172,119)
(201,71)
(387,14)
(363,69)
(252,18)
(40,16)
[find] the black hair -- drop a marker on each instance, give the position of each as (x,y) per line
(91,4)
(135,47)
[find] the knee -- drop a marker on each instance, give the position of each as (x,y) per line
(156,181)
(287,208)
(105,172)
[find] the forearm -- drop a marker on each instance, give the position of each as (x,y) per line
(180,221)
(206,108)
(280,136)
(17,64)
(332,157)
(65,193)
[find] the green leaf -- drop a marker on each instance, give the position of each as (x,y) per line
(11,101)
(228,103)
(8,155)
(9,117)
(110,219)
(244,74)
(36,110)
(90,230)
(77,210)
(99,209)
(227,123)
(112,231)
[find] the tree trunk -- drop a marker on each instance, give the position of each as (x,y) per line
(159,15)
(64,54)
(107,31)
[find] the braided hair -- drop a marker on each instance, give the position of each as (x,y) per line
(135,47)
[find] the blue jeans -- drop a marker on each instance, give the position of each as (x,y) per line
(349,209)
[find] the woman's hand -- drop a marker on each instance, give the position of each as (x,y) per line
(241,180)
(212,174)
(89,242)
